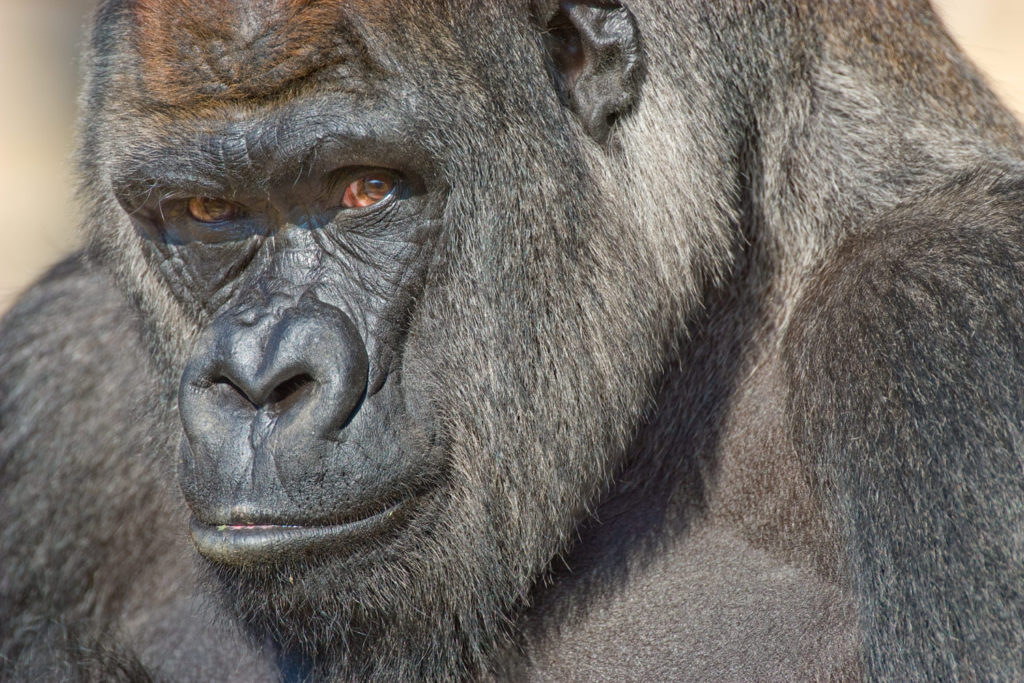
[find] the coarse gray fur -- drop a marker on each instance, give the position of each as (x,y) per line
(729,390)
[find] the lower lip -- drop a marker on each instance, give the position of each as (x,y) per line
(264,543)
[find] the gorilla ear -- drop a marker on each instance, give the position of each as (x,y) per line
(595,48)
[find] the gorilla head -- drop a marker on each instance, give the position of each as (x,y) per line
(389,255)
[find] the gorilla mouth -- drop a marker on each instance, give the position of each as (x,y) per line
(242,544)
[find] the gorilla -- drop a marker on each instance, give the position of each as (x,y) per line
(524,339)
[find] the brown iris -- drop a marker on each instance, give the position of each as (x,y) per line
(212,210)
(368,190)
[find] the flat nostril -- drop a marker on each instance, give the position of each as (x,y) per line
(278,400)
(227,389)
(289,392)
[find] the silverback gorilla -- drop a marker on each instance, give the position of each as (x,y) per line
(524,339)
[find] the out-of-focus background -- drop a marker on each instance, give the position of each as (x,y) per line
(39,45)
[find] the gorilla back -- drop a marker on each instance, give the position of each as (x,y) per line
(538,340)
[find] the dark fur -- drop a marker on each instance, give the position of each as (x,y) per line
(730,389)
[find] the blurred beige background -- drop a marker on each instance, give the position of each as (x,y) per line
(39,45)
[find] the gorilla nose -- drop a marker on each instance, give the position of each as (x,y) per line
(277,382)
(267,391)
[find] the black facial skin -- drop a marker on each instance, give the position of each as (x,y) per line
(683,341)
(296,433)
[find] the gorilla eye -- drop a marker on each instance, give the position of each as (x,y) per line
(211,210)
(368,190)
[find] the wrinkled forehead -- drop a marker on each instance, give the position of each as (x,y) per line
(193,50)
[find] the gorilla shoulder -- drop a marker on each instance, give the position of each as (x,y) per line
(84,471)
(71,357)
(907,361)
(72,371)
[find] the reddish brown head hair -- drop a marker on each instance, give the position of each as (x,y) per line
(194,50)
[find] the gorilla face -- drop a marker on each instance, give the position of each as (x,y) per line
(390,276)
(295,413)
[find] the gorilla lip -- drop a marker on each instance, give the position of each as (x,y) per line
(240,544)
